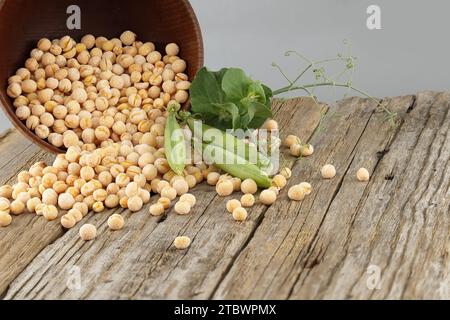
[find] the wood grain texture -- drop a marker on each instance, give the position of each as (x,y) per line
(327,246)
(24,238)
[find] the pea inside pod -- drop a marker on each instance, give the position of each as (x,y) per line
(174,143)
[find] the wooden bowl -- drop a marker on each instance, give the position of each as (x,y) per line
(24,22)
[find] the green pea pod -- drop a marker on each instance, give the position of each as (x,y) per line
(235,165)
(174,143)
(214,136)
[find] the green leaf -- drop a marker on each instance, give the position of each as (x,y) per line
(205,90)
(235,84)
(261,114)
(269,94)
(256,91)
(219,75)
(228,112)
(229,99)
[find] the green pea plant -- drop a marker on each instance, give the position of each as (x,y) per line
(229,99)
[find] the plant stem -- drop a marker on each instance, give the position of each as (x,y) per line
(333,84)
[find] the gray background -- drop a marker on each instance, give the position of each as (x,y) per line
(409,54)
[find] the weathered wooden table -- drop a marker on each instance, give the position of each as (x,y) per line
(387,238)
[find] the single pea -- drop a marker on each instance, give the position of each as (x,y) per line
(182,242)
(172,49)
(232,204)
(6,191)
(82,207)
(307,150)
(157,209)
(76,214)
(5,219)
(98,206)
(179,66)
(182,207)
(236,183)
(224,188)
(212,178)
(248,200)
(17,207)
(169,192)
(286,172)
(249,186)
(128,38)
(112,201)
(132,189)
(279,181)
(268,197)
(88,232)
(135,203)
(190,198)
(239,214)
(328,171)
(307,188)
(144,195)
(50,212)
(191,181)
(295,150)
(363,175)
(116,222)
(68,221)
(66,201)
(180,186)
(270,125)
(296,193)
(291,140)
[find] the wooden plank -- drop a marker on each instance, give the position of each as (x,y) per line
(390,223)
(24,238)
(140,261)
(320,248)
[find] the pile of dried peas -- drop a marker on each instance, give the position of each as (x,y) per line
(105,100)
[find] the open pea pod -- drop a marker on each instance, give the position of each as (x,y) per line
(217,137)
(235,165)
(174,143)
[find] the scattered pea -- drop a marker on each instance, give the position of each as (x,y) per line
(249,186)
(182,207)
(135,203)
(5,219)
(68,221)
(267,197)
(224,188)
(279,181)
(239,214)
(232,204)
(156,209)
(190,198)
(248,200)
(116,222)
(50,212)
(328,171)
(363,175)
(286,172)
(182,242)
(296,193)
